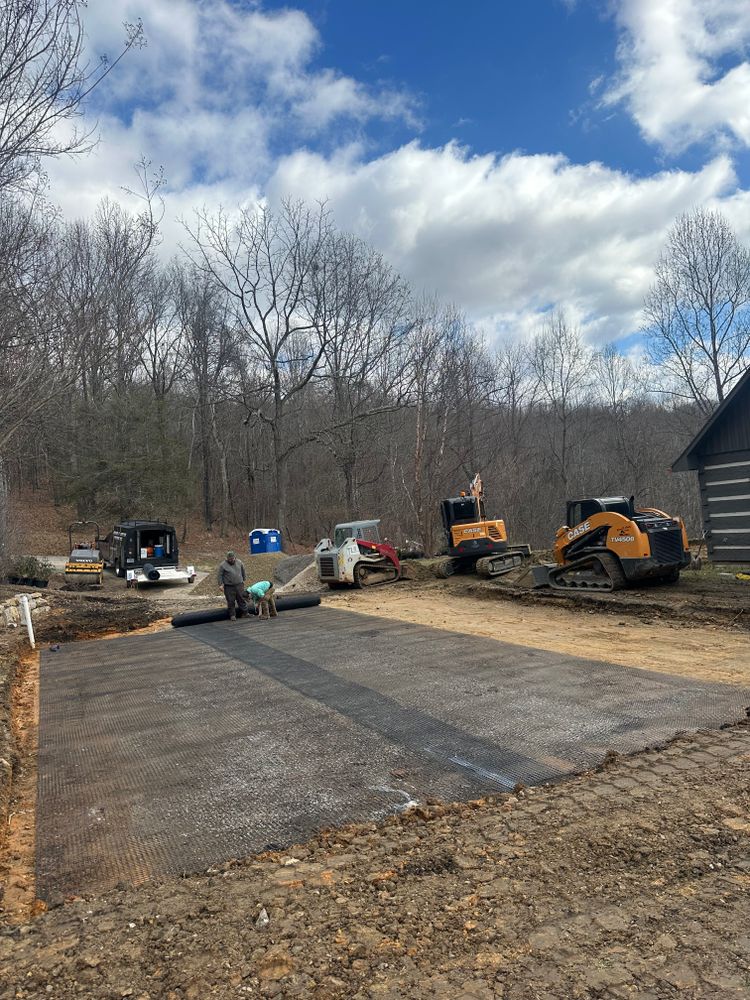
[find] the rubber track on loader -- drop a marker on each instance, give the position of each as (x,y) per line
(381,573)
(614,580)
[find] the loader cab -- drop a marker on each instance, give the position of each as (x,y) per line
(364,531)
(460,510)
(581,510)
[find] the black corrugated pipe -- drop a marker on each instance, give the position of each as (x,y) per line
(290,603)
(151,572)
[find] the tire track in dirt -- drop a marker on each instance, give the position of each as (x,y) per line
(707,654)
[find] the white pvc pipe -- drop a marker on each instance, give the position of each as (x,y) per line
(27,616)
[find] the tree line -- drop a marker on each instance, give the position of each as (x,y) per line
(279,372)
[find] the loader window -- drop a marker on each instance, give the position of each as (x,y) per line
(619,506)
(363,532)
(340,535)
(579,510)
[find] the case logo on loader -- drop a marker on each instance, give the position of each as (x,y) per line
(580,530)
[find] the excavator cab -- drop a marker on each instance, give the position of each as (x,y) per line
(460,510)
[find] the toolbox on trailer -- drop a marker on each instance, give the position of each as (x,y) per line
(145,552)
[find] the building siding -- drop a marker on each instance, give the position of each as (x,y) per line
(732,434)
(725,497)
(720,452)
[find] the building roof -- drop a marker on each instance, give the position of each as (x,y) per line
(738,401)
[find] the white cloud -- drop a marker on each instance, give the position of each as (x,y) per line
(218,82)
(684,70)
(506,238)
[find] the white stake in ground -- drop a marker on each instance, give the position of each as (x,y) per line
(27,616)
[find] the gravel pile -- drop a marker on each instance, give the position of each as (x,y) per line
(306,582)
(290,566)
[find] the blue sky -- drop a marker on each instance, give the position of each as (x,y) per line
(496,75)
(507,155)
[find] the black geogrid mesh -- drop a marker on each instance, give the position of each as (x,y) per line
(169,752)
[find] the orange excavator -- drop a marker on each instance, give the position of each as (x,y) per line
(608,543)
(475,542)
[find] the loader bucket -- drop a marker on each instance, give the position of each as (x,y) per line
(540,575)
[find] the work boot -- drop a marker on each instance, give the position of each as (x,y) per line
(233,618)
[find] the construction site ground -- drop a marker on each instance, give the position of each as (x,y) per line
(632,880)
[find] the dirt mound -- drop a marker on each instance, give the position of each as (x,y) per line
(697,599)
(520,577)
(286,569)
(82,616)
(306,582)
(419,569)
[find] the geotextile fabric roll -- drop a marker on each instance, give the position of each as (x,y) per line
(291,603)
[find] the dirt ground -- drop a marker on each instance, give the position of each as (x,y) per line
(630,882)
(663,642)
(711,597)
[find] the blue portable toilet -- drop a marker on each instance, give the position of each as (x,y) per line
(264,540)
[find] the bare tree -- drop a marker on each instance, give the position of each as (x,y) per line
(435,337)
(266,263)
(698,310)
(44,82)
(209,345)
(27,268)
(364,327)
(561,364)
(101,332)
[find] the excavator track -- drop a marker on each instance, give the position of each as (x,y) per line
(446,567)
(488,566)
(595,571)
(492,566)
(375,574)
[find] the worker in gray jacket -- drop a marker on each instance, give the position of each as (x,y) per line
(231,578)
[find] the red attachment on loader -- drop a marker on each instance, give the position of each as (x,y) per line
(383,549)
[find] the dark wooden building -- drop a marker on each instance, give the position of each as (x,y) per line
(720,453)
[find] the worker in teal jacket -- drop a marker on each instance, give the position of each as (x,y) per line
(263,599)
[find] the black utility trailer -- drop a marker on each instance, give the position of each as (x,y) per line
(145,552)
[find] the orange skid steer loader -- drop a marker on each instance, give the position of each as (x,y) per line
(608,543)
